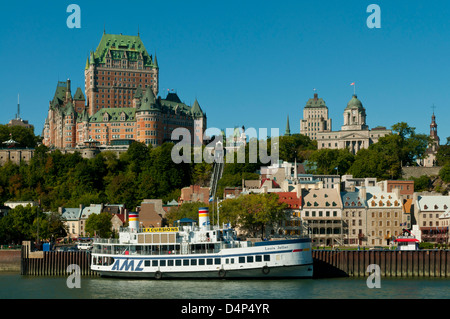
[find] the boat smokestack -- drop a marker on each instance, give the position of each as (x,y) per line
(133,221)
(203,218)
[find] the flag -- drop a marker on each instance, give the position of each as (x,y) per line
(211,199)
(353,83)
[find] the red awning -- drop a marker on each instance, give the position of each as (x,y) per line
(406,240)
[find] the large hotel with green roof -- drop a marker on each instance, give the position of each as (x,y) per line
(120,102)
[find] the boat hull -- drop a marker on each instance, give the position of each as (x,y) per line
(271,259)
(299,271)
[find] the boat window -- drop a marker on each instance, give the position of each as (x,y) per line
(217,261)
(266,257)
(209,261)
(258,258)
(170,262)
(154,263)
(193,262)
(162,263)
(249,259)
(178,262)
(241,260)
(147,263)
(201,261)
(185,262)
(227,261)
(232,260)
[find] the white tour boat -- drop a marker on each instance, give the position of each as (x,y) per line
(189,251)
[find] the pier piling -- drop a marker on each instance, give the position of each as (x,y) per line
(420,263)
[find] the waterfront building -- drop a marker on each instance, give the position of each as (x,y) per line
(354,215)
(385,218)
(74,218)
(433,217)
(315,118)
(355,133)
(195,193)
(292,225)
(406,188)
(120,103)
(151,213)
(350,183)
(71,219)
(321,214)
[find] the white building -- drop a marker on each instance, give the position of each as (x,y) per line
(354,134)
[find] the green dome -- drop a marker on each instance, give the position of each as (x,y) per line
(354,103)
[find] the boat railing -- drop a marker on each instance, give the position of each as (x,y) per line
(105,241)
(162,249)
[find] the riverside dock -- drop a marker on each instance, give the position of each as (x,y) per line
(327,263)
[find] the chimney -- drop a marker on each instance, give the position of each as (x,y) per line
(363,193)
(315,96)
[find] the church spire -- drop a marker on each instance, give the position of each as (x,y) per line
(288,128)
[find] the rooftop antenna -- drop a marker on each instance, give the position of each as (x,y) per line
(18,107)
(138,29)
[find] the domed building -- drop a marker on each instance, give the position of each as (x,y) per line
(355,133)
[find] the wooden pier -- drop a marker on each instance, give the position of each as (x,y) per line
(53,263)
(421,263)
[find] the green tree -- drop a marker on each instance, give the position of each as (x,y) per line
(253,212)
(444,173)
(410,146)
(185,210)
(295,147)
(332,161)
(421,183)
(443,154)
(99,225)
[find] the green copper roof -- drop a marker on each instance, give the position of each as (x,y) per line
(69,109)
(122,46)
(196,110)
(138,93)
(354,103)
(316,102)
(60,94)
(79,96)
(148,101)
(114,114)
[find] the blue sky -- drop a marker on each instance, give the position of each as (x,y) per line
(248,63)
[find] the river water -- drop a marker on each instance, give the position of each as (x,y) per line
(15,286)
